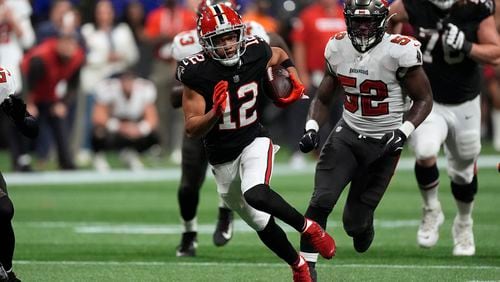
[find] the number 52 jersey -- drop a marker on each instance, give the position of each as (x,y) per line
(374,102)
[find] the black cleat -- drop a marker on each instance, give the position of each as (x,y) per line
(3,274)
(7,276)
(188,245)
(12,277)
(224,228)
(312,271)
(363,241)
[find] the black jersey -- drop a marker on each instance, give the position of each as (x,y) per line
(454,77)
(240,124)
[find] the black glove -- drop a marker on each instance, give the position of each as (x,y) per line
(454,38)
(309,141)
(15,108)
(393,142)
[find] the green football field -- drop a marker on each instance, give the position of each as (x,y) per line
(128,231)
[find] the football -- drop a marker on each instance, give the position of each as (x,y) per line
(277,83)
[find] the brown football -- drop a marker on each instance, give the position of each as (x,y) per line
(277,83)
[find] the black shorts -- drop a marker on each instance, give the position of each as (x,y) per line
(349,157)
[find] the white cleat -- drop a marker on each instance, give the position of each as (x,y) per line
(428,231)
(463,238)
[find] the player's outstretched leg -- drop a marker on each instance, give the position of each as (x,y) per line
(276,240)
(263,198)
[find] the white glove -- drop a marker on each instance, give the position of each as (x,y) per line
(454,38)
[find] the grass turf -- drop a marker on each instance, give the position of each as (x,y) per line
(129,231)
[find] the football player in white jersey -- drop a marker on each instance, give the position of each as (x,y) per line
(15,109)
(194,161)
(375,70)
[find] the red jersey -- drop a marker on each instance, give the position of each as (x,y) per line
(56,70)
(314,28)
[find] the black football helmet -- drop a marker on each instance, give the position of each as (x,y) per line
(366,22)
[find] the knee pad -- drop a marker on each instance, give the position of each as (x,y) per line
(425,149)
(427,177)
(464,193)
(257,196)
(468,144)
(6,209)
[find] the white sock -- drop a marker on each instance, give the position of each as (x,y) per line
(430,197)
(310,257)
(190,226)
(464,211)
(222,204)
(495,122)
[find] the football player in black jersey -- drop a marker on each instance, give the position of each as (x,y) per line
(456,36)
(221,85)
(15,109)
(194,161)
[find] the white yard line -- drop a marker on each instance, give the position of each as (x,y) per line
(243,264)
(168,174)
(131,228)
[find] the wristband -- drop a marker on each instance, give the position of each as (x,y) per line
(113,124)
(312,124)
(287,63)
(144,128)
(407,128)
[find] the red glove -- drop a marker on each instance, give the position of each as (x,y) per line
(298,92)
(219,97)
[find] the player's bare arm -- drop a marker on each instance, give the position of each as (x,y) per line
(398,16)
(328,91)
(197,122)
(419,90)
(487,51)
(278,57)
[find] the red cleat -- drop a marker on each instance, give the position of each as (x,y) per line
(301,271)
(320,239)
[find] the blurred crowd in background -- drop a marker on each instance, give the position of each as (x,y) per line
(99,75)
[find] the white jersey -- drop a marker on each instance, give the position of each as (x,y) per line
(374,103)
(187,43)
(7,84)
(109,92)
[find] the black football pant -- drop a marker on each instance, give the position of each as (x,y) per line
(194,168)
(7,239)
(348,157)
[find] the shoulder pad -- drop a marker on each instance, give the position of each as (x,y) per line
(405,50)
(333,48)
